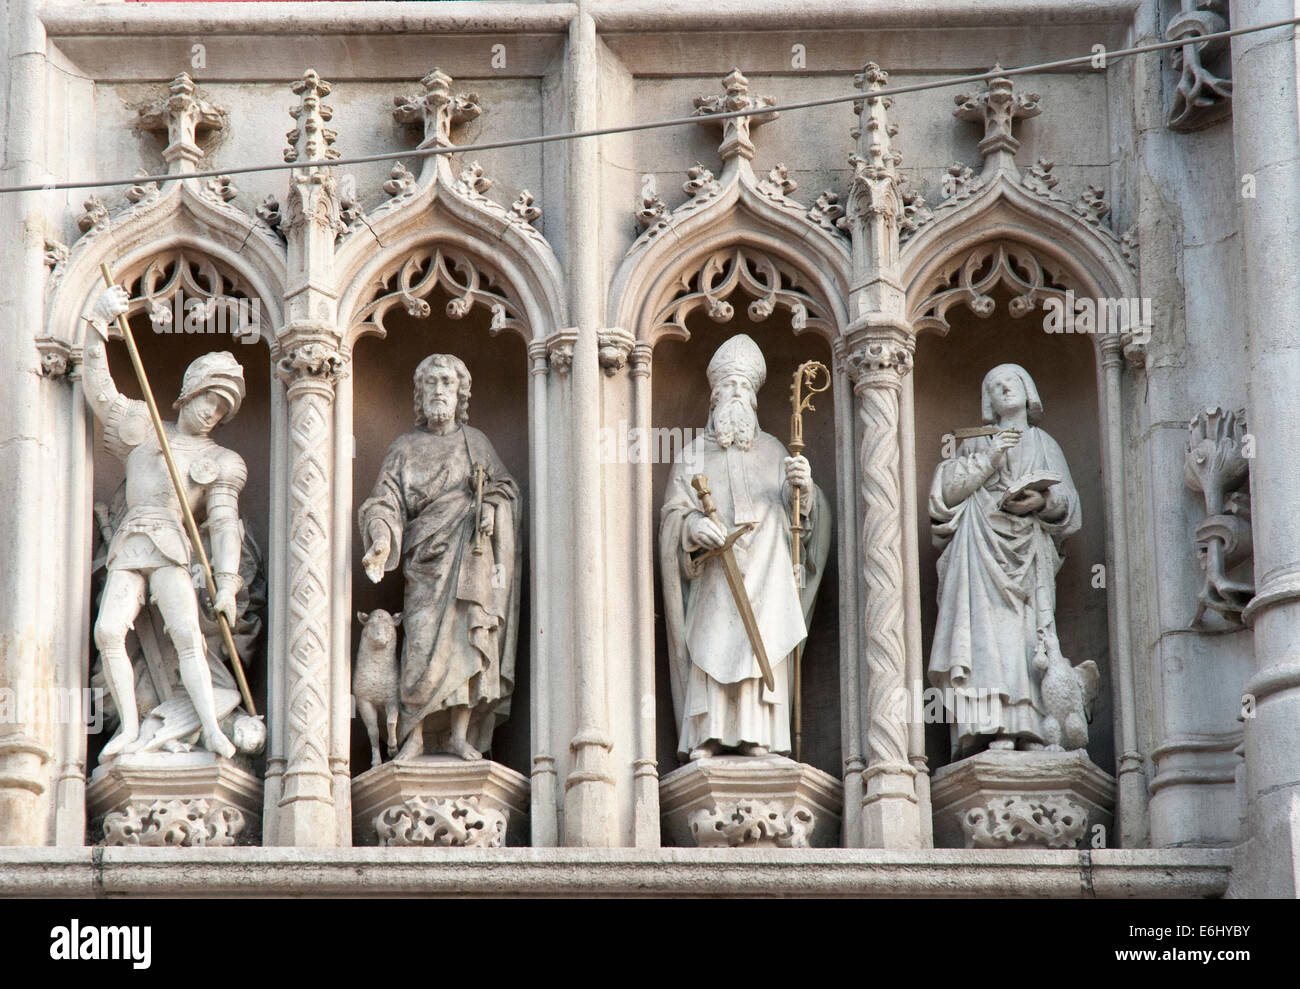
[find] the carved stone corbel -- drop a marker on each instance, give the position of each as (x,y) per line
(1201,97)
(559,349)
(614,346)
(1216,466)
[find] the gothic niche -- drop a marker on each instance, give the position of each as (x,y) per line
(739,791)
(439,770)
(985,794)
(182,306)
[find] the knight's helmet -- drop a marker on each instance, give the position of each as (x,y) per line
(219,372)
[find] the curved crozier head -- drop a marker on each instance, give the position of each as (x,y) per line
(442,387)
(1008,388)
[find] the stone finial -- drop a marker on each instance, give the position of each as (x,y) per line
(998,108)
(311,140)
(874,132)
(437,108)
(184,116)
(735,130)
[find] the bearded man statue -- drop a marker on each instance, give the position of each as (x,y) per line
(721,701)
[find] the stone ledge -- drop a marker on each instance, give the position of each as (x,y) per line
(574,872)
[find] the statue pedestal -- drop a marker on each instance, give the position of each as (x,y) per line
(765,802)
(439,801)
(1022,799)
(182,799)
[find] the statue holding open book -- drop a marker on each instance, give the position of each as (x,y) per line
(1000,509)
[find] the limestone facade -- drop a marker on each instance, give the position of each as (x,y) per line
(910,243)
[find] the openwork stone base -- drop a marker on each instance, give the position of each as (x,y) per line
(1023,799)
(186,800)
(767,802)
(440,801)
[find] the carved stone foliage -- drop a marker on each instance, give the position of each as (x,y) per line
(751,822)
(184,823)
(1216,466)
(428,269)
(1017,821)
(441,823)
(771,283)
(1201,97)
(970,280)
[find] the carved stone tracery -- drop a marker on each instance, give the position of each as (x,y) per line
(185,823)
(970,281)
(752,822)
(431,822)
(772,283)
(428,269)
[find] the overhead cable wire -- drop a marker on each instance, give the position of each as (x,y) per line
(889,91)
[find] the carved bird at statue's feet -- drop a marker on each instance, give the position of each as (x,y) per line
(1068,694)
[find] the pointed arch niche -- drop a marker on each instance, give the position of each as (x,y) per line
(739,256)
(977,278)
(440,268)
(185,241)
(440,301)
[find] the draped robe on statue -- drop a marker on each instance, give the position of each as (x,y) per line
(460,613)
(718,692)
(997,585)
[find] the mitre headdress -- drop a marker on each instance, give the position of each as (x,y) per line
(739,355)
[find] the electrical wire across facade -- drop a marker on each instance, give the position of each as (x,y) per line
(1092,58)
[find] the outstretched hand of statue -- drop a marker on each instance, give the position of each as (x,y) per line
(112,302)
(376,559)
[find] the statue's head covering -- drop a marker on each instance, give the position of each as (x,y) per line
(218,372)
(739,355)
(1034,403)
(463,383)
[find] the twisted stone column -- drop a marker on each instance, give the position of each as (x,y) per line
(306,804)
(890,816)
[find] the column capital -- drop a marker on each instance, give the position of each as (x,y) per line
(310,362)
(880,360)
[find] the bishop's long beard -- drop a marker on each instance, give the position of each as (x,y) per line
(734,421)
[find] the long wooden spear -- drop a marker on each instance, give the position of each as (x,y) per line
(802,390)
(186,512)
